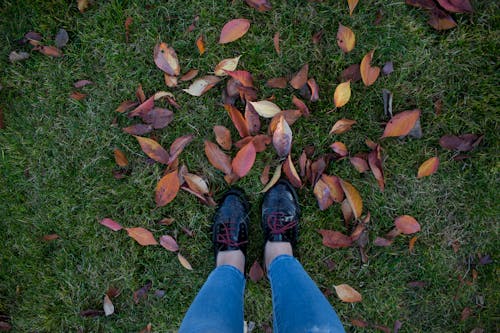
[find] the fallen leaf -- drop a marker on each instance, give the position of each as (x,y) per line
(113,225)
(184,262)
(166,59)
(167,188)
(226,65)
(223,137)
(196,183)
(108,306)
(244,159)
(260,5)
(18,56)
(128,23)
(274,179)
(276,42)
(82,5)
(466,313)
(142,236)
(333,183)
(316,37)
(353,198)
(243,77)
(125,106)
(441,20)
(200,44)
(234,30)
(407,224)
(146,329)
(416,284)
(348,294)
(339,148)
(352,4)
(300,105)
(91,313)
(388,68)
(120,158)
(158,117)
(282,138)
(351,73)
(428,168)
(50,237)
(342,126)
(169,243)
(142,292)
(387,97)
(411,244)
(252,119)
(456,6)
(178,146)
(313,86)
(402,123)
(264,176)
(347,211)
(82,83)
(265,108)
(166,221)
(425,4)
(342,94)
(191,74)
(76,95)
(375,163)
(62,38)
(300,78)
(345,38)
(322,193)
(291,116)
(359,323)
(202,85)
(170,80)
(291,172)
(143,108)
(277,82)
(256,272)
(317,169)
(138,129)
(359,164)
(238,120)
(465,142)
(139,93)
(153,149)
(217,158)
(369,74)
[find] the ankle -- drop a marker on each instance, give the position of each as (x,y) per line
(234,258)
(275,249)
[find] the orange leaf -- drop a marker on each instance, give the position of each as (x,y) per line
(260,142)
(234,30)
(276,42)
(359,163)
(191,74)
(184,262)
(166,59)
(169,243)
(238,120)
(82,5)
(402,123)
(256,272)
(428,167)
(50,237)
(244,159)
(243,77)
(368,74)
(348,294)
(300,105)
(170,80)
(411,245)
(223,137)
(143,108)
(77,95)
(342,94)
(353,198)
(333,183)
(201,45)
(282,138)
(346,211)
(120,158)
(50,51)
(226,65)
(375,162)
(291,172)
(252,119)
(153,149)
(322,193)
(300,78)
(352,4)
(167,188)
(178,146)
(142,236)
(342,125)
(339,148)
(335,239)
(217,158)
(407,224)
(345,38)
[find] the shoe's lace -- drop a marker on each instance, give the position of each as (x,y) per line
(224,235)
(278,223)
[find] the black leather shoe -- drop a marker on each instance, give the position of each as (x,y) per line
(281,213)
(230,227)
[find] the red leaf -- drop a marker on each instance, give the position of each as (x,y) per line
(351,73)
(234,30)
(322,193)
(191,74)
(333,183)
(441,20)
(120,158)
(125,106)
(260,5)
(342,125)
(169,243)
(339,148)
(276,42)
(256,272)
(252,119)
(143,236)
(375,162)
(158,117)
(82,83)
(167,188)
(238,120)
(143,108)
(264,176)
(277,82)
(153,149)
(300,105)
(335,239)
(223,137)
(244,159)
(456,6)
(138,129)
(178,146)
(113,225)
(314,90)
(77,95)
(217,158)
(243,77)
(407,224)
(359,163)
(300,78)
(402,123)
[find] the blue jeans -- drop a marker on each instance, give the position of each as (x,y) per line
(298,304)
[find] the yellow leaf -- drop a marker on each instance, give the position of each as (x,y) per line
(352,4)
(274,179)
(142,236)
(265,108)
(342,94)
(345,38)
(428,167)
(353,198)
(184,262)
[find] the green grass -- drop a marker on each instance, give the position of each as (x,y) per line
(56,159)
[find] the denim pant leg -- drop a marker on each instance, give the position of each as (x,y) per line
(218,307)
(298,304)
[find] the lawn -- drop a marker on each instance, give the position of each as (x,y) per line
(56,162)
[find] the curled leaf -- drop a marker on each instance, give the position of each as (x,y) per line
(191,74)
(282,138)
(202,85)
(274,179)
(402,123)
(339,148)
(300,105)
(234,30)
(291,172)
(375,163)
(428,167)
(196,183)
(342,125)
(334,187)
(170,80)
(108,306)
(345,38)
(353,198)
(167,188)
(238,120)
(243,77)
(142,236)
(369,74)
(352,4)
(348,294)
(322,193)
(166,59)
(226,65)
(178,146)
(276,42)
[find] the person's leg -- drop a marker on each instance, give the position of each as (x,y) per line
(218,307)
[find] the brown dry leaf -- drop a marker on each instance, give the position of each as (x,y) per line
(466,313)
(300,78)
(50,237)
(264,176)
(191,74)
(353,197)
(223,137)
(184,262)
(342,94)
(234,30)
(120,158)
(300,105)
(342,126)
(351,73)
(347,293)
(158,117)
(50,51)
(166,59)
(143,108)
(125,106)
(109,223)
(369,74)
(178,146)
(277,82)
(345,38)
(143,236)
(359,323)
(265,108)
(352,4)
(169,243)
(375,163)
(347,211)
(256,272)
(359,163)
(217,158)
(335,239)
(339,148)
(128,22)
(139,93)
(138,129)
(465,142)
(260,5)
(196,183)
(322,193)
(402,123)
(260,142)
(407,224)
(77,95)
(167,188)
(380,241)
(411,245)
(291,116)
(333,183)
(82,5)
(243,77)
(226,65)
(142,292)
(274,179)
(282,138)
(252,119)
(202,85)
(425,4)
(238,120)
(317,169)
(313,86)
(276,42)
(456,6)
(441,20)
(291,172)
(428,167)
(170,81)
(244,159)
(166,221)
(200,44)
(153,149)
